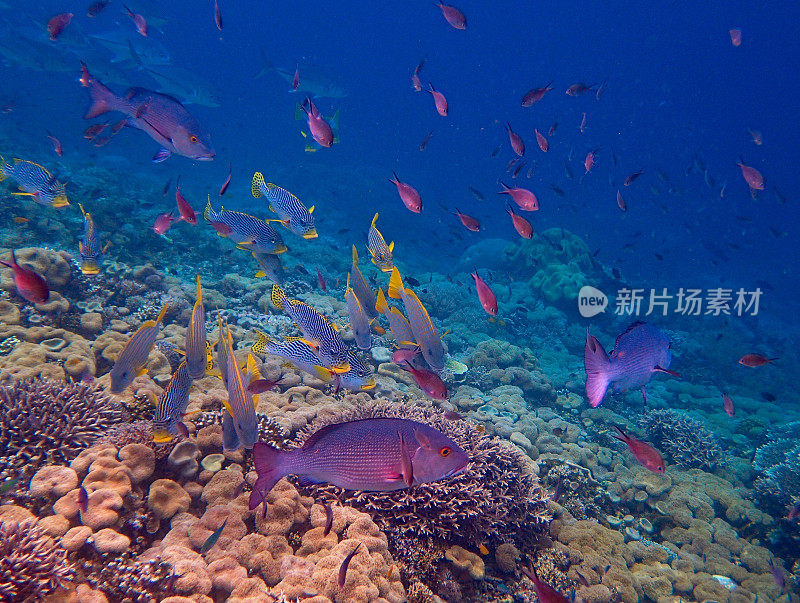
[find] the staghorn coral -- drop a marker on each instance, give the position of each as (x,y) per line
(123,578)
(50,422)
(685,441)
(497,499)
(32,565)
(269,430)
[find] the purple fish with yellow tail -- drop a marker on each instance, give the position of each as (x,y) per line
(374,455)
(163,117)
(640,352)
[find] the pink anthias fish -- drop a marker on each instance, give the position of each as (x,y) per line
(649,457)
(408,195)
(415,81)
(535,95)
(640,352)
(453,16)
(30,284)
(589,161)
(752,176)
(485,295)
(516,141)
(320,129)
(439,100)
(736,36)
(541,141)
(727,404)
(404,355)
(138,20)
(428,381)
(163,118)
(163,223)
(522,197)
(470,223)
(374,455)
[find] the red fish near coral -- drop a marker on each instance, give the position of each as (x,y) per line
(30,285)
(453,16)
(521,196)
(515,140)
(439,100)
(545,592)
(754,360)
(752,176)
(186,211)
(485,295)
(469,222)
(521,225)
(649,457)
(428,381)
(408,194)
(163,223)
(727,404)
(56,25)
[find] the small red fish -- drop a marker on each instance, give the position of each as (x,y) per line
(415,81)
(408,195)
(320,129)
(578,89)
(589,161)
(736,36)
(404,355)
(94,130)
(296,79)
(754,360)
(544,592)
(439,100)
(515,140)
(794,511)
(632,177)
(485,295)
(453,16)
(621,202)
(535,95)
(59,150)
(259,386)
(521,225)
(30,285)
(138,20)
(56,25)
(758,137)
(429,382)
(542,141)
(552,129)
(469,222)
(600,90)
(217,16)
(83,499)
(521,196)
(86,77)
(727,404)
(227,182)
(186,211)
(96,8)
(321,281)
(752,176)
(649,457)
(163,223)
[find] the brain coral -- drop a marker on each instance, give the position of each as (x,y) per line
(496,499)
(50,422)
(32,565)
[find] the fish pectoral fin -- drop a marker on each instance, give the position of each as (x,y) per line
(141,371)
(659,369)
(24,194)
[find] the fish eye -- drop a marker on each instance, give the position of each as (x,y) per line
(193,138)
(445,451)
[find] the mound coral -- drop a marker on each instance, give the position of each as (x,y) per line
(50,422)
(685,441)
(32,565)
(496,500)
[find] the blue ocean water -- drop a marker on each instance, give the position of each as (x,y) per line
(678,102)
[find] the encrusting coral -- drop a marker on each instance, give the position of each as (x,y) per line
(49,422)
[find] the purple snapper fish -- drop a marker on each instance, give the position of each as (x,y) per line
(163,117)
(640,352)
(374,455)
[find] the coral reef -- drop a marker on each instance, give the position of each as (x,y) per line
(778,484)
(44,421)
(685,441)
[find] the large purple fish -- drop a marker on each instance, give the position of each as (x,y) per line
(163,117)
(377,455)
(638,353)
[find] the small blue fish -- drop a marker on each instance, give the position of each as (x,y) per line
(212,540)
(640,352)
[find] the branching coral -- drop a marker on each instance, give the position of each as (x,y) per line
(124,579)
(496,499)
(778,485)
(685,441)
(32,565)
(44,421)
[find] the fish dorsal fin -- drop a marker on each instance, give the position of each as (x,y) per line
(199,301)
(380,303)
(355,256)
(391,247)
(255,187)
(395,289)
(311,209)
(347,284)
(207,211)
(375,219)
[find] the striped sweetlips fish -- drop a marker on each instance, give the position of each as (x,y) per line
(248,232)
(291,212)
(376,245)
(35,182)
(640,352)
(172,405)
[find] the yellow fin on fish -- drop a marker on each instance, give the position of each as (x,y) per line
(323,373)
(395,289)
(255,187)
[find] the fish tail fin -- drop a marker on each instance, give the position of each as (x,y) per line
(162,313)
(598,368)
(380,302)
(374,219)
(278,297)
(230,439)
(257,185)
(103,100)
(355,256)
(260,345)
(268,464)
(620,435)
(199,291)
(395,288)
(207,210)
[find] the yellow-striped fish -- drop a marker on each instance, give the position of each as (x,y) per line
(196,337)
(35,182)
(298,353)
(133,357)
(361,287)
(398,324)
(425,333)
(381,252)
(89,247)
(239,424)
(359,321)
(292,213)
(172,405)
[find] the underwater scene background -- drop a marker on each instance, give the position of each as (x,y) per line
(398,302)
